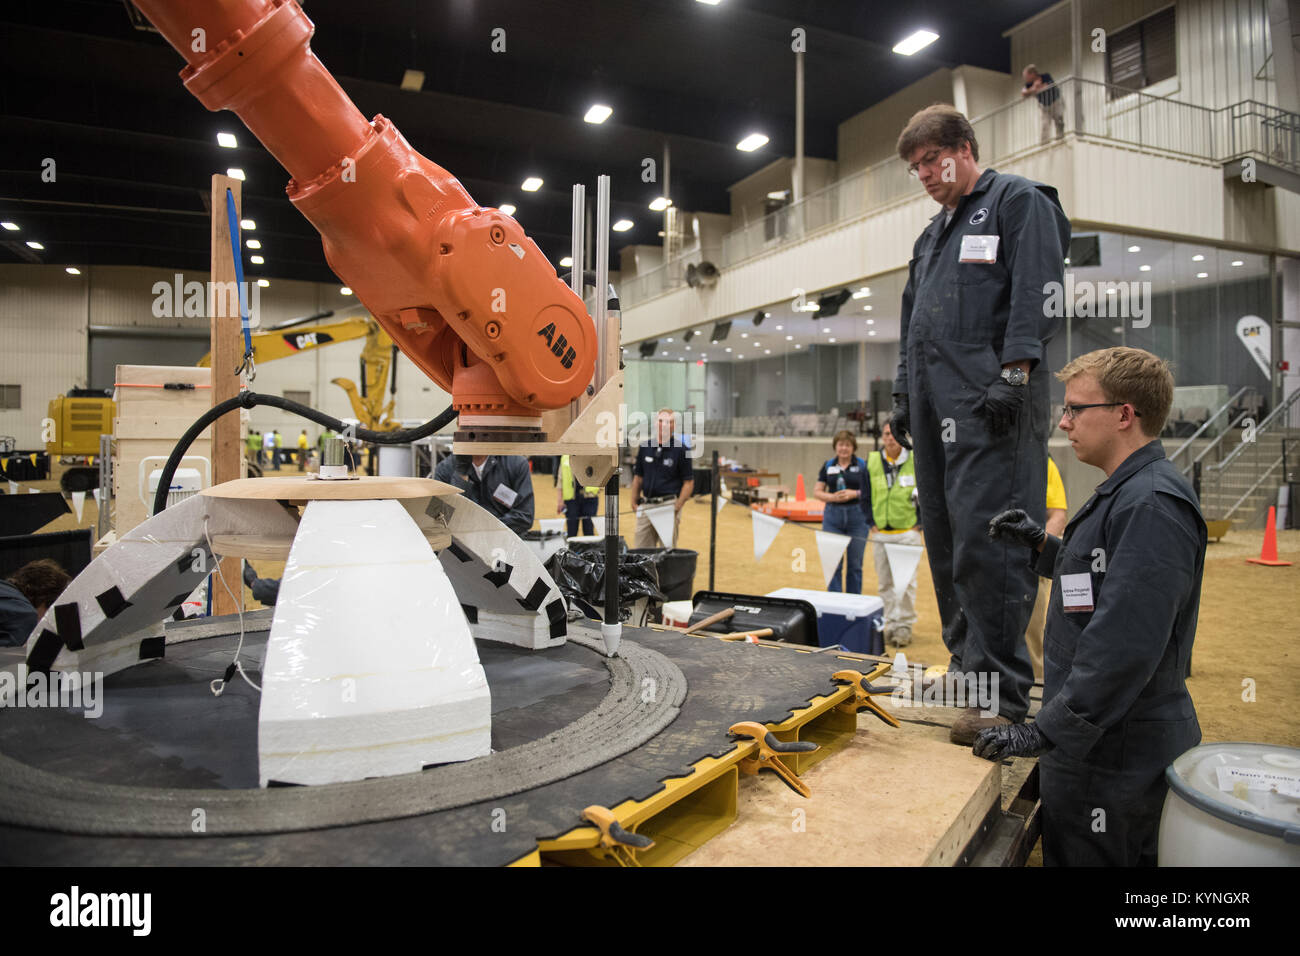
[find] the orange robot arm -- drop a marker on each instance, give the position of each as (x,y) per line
(461,289)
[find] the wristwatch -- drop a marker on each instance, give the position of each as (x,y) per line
(1015,376)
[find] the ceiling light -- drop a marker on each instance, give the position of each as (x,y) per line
(72,271)
(531,184)
(346,290)
(797,345)
(863,292)
(256,260)
(254,243)
(751,142)
(767,351)
(1198,258)
(1238,262)
(871,322)
(247,224)
(778,194)
(667,340)
(413,80)
(871,331)
(917,41)
(866,308)
(1067,260)
(727,349)
(1202,275)
(712,3)
(832,339)
(236,173)
(227,140)
(33,244)
(11,226)
(744,335)
(789,338)
(740,356)
(566,262)
(825,330)
(780,328)
(1144,268)
(660,204)
(623,225)
(507,208)
(263,283)
(598,113)
(688,348)
(1134,248)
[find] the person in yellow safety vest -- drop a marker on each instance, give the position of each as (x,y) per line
(279,444)
(891,473)
(302,450)
(253,448)
(1056,509)
(575,501)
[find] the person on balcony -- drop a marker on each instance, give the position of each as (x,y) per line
(1050,104)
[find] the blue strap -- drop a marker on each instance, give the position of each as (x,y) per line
(233,217)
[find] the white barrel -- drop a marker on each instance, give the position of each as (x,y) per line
(1232,804)
(395,461)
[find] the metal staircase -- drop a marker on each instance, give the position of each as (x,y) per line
(1237,475)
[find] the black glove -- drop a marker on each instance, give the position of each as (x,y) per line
(1010,740)
(1001,405)
(1017,526)
(900,421)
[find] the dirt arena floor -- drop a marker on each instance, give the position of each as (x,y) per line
(1246,664)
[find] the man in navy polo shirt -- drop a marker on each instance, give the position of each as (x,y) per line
(662,471)
(1042,86)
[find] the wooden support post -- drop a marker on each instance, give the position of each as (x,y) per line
(227,348)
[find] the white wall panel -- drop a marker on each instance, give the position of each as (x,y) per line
(42,342)
(1126,189)
(871,135)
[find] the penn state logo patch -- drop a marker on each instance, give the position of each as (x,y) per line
(980,215)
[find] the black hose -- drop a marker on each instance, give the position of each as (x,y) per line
(251,399)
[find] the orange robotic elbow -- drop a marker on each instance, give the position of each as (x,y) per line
(461,289)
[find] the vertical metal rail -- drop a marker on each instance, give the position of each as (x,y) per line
(103,506)
(611,631)
(713,519)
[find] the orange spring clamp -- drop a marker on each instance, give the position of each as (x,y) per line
(769,749)
(863,691)
(619,844)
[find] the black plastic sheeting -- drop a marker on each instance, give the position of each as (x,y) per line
(580,576)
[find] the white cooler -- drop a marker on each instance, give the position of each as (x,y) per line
(855,621)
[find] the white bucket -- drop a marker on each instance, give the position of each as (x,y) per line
(1232,804)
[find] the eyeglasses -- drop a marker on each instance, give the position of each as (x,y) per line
(1072,411)
(929,159)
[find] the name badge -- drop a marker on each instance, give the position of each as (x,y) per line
(505,495)
(907,481)
(1076,592)
(649,459)
(833,470)
(979,249)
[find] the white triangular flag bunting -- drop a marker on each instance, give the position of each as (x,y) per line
(722,503)
(830,548)
(78,502)
(765,531)
(95,492)
(13,487)
(661,516)
(552,524)
(903,559)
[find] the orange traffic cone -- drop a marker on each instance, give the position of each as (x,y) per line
(1268,553)
(798,489)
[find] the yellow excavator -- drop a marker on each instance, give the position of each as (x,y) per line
(378,360)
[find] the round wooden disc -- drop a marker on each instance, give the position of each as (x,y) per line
(304,488)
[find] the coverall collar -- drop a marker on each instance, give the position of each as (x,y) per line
(1151,451)
(981,186)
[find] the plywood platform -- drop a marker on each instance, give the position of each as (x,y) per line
(305,488)
(890,798)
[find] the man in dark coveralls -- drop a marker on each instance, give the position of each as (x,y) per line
(972,397)
(1126,586)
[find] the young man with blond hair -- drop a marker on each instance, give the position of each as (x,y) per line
(1126,586)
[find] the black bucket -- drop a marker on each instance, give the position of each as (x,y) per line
(676,568)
